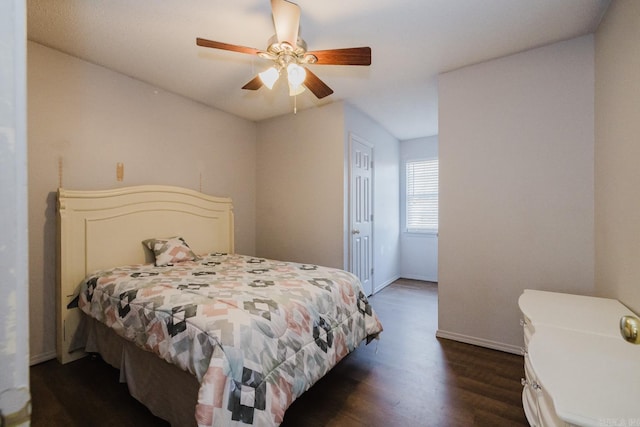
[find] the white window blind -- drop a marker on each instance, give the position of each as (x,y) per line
(422,195)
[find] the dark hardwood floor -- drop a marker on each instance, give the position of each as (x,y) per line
(408,378)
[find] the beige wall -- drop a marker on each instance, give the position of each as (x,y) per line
(617,161)
(93,118)
(516,147)
(300,186)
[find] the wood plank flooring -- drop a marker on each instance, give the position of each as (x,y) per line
(408,378)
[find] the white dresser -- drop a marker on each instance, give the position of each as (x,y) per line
(578,369)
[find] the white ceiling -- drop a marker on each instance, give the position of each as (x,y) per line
(411,41)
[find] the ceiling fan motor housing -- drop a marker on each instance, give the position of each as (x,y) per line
(283,54)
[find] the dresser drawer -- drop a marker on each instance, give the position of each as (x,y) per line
(530,406)
(537,404)
(529,394)
(547,412)
(528,329)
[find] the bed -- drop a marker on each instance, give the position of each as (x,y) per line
(149,279)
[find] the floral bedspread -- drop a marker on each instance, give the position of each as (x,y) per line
(256,333)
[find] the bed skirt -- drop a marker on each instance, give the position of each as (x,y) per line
(167,391)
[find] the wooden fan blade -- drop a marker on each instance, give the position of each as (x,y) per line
(348,56)
(226,46)
(286,19)
(254,84)
(317,86)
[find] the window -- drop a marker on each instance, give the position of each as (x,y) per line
(422,196)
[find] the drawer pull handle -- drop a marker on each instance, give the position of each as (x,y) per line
(534,385)
(629,326)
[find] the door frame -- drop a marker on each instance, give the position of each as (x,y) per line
(349,211)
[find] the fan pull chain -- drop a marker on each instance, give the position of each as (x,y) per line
(295,104)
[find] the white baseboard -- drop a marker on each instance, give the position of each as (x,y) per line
(419,277)
(385,284)
(494,345)
(34,359)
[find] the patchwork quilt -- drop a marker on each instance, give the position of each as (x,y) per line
(256,333)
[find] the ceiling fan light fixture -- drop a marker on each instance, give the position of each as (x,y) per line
(288,50)
(269,77)
(297,90)
(296,75)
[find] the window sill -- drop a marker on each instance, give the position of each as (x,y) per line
(421,233)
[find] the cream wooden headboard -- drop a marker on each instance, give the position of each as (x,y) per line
(105,228)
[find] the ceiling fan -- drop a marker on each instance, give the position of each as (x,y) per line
(289,52)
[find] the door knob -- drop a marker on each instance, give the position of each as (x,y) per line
(355,232)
